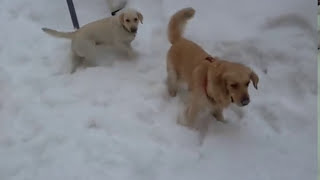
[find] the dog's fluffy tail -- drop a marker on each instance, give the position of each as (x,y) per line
(68,35)
(178,22)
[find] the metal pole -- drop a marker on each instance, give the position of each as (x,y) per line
(73,14)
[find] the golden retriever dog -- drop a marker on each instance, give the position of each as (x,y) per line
(118,31)
(214,83)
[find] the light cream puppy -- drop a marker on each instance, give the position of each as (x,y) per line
(118,31)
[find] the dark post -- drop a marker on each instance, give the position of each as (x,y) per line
(73,14)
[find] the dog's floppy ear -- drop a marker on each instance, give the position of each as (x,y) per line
(254,78)
(218,79)
(225,78)
(121,18)
(140,17)
(199,74)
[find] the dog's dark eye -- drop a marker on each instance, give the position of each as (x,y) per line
(234,86)
(127,20)
(247,84)
(135,19)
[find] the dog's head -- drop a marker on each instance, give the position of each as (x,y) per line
(130,20)
(233,80)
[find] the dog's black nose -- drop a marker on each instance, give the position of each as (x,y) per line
(133,30)
(245,101)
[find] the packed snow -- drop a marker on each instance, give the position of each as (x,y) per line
(117,121)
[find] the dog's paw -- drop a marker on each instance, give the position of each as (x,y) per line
(182,120)
(223,121)
(73,69)
(132,54)
(172,92)
(219,117)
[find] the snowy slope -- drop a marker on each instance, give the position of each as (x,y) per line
(117,122)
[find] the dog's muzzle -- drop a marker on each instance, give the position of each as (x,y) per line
(245,101)
(133,29)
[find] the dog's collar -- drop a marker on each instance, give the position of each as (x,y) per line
(205,85)
(210,59)
(114,12)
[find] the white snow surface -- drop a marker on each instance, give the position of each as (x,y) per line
(117,122)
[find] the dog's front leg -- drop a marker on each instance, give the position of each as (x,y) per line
(217,113)
(75,61)
(189,115)
(129,50)
(192,111)
(198,97)
(126,47)
(84,53)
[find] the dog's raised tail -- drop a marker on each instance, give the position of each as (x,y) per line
(178,22)
(68,35)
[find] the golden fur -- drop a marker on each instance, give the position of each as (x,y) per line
(214,84)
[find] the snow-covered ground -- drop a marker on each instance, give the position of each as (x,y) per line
(117,122)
